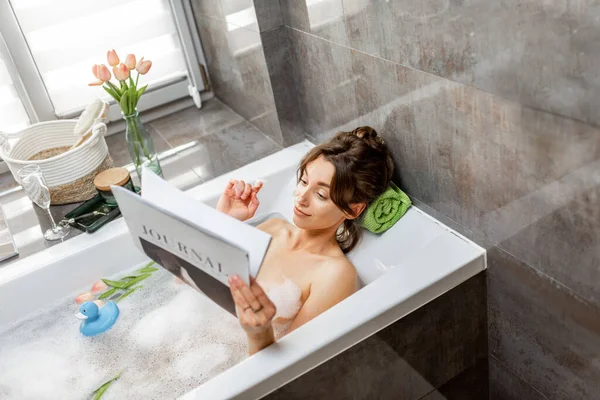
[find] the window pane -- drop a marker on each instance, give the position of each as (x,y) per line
(12,114)
(67,37)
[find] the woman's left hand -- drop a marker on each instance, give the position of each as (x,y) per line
(254,309)
(239,199)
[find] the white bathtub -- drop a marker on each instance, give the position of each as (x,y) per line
(414,262)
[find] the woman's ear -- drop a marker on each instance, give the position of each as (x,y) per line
(357,209)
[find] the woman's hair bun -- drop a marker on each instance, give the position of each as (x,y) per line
(369,135)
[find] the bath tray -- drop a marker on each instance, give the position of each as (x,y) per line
(93,223)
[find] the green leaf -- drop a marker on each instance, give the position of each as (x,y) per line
(108,293)
(115,88)
(111,380)
(98,393)
(148,269)
(136,280)
(142,90)
(112,93)
(128,277)
(147,265)
(124,103)
(128,293)
(132,99)
(131,84)
(115,284)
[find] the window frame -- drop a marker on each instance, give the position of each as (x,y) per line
(35,98)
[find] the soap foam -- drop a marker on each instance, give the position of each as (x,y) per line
(168,340)
(287,297)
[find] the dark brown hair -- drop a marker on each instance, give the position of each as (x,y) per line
(363,171)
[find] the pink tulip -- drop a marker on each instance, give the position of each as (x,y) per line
(130,61)
(121,72)
(143,66)
(140,61)
(99,303)
(101,72)
(112,57)
(104,73)
(83,297)
(99,287)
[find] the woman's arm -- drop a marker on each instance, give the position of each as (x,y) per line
(334,284)
(259,341)
(255,312)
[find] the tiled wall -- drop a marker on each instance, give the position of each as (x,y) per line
(490,110)
(236,62)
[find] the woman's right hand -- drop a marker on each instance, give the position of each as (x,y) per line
(239,199)
(255,312)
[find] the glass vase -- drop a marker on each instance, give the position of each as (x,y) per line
(141,148)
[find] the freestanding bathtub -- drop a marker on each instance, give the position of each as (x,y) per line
(416,261)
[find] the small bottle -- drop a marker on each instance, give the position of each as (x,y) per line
(114,176)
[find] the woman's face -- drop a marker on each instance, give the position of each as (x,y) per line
(313,208)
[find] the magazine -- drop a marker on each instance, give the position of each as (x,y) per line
(192,240)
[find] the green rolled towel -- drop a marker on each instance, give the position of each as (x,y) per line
(386,210)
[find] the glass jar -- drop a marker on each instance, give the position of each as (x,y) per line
(140,145)
(114,176)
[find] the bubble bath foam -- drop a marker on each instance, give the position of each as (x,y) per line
(168,340)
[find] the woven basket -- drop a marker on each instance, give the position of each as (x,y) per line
(69,173)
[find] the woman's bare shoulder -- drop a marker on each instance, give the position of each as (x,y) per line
(342,266)
(337,268)
(337,278)
(273,225)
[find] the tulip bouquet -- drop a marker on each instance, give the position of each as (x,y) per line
(127,94)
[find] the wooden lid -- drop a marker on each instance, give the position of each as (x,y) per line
(112,176)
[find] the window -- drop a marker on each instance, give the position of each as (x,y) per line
(55,43)
(12,113)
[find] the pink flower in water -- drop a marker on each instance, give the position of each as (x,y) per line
(121,72)
(101,73)
(112,57)
(83,297)
(99,286)
(130,61)
(143,66)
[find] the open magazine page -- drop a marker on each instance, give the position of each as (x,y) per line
(202,261)
(254,241)
(189,249)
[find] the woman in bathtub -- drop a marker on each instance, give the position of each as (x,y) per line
(305,271)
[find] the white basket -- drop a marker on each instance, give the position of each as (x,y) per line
(69,175)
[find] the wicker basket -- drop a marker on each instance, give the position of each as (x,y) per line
(69,172)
